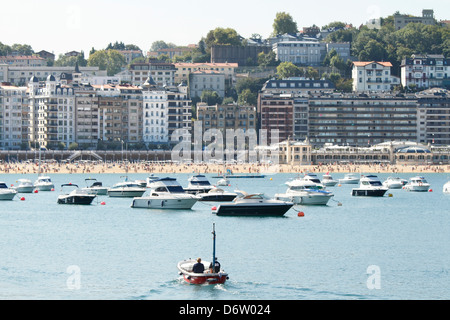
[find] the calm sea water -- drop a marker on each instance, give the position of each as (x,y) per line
(368,248)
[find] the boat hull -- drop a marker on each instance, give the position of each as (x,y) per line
(417,188)
(306,199)
(125,193)
(348,181)
(81,200)
(7,195)
(253,210)
(25,189)
(161,203)
(368,192)
(206,277)
(44,187)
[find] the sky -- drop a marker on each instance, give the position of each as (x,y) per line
(63,26)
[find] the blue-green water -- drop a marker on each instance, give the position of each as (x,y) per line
(113,251)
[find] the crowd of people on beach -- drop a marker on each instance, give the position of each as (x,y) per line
(220,169)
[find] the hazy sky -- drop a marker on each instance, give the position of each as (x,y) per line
(60,26)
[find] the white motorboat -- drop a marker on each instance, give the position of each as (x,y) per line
(446,187)
(253,205)
(350,178)
(76,196)
(304,192)
(24,186)
(393,183)
(217,194)
(6,193)
(223,182)
(44,183)
(198,184)
(370,186)
(96,187)
(165,193)
(418,183)
(126,189)
(314,178)
(328,181)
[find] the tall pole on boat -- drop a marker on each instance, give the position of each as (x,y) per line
(214,247)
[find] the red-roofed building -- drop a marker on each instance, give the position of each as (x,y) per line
(23,61)
(373,76)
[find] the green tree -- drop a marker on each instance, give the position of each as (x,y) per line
(247,97)
(284,23)
(222,36)
(109,60)
(267,59)
(210,97)
(287,70)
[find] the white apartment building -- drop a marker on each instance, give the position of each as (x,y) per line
(425,71)
(52,113)
(162,73)
(13,117)
(373,76)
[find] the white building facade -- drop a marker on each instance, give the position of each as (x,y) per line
(373,76)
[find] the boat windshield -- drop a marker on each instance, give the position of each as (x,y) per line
(175,189)
(200,183)
(3,186)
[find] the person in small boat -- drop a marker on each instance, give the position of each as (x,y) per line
(216,268)
(198,267)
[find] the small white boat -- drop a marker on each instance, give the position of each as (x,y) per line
(446,187)
(218,195)
(96,187)
(223,182)
(6,193)
(198,184)
(44,183)
(393,183)
(126,190)
(328,181)
(76,196)
(314,178)
(418,183)
(304,192)
(166,193)
(24,186)
(350,178)
(370,186)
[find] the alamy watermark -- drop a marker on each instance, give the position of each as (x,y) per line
(374,278)
(73,282)
(235,146)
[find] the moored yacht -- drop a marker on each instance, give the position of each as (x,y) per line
(393,183)
(165,193)
(315,179)
(350,178)
(253,205)
(417,184)
(96,187)
(126,189)
(44,183)
(304,192)
(328,181)
(24,186)
(198,184)
(76,196)
(217,194)
(6,193)
(370,186)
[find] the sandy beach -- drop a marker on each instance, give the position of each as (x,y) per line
(146,168)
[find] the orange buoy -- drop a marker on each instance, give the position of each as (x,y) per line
(102,203)
(301,214)
(53,189)
(339,185)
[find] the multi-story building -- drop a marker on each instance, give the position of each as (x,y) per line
(401,20)
(275,112)
(23,61)
(184,69)
(52,113)
(223,117)
(373,76)
(425,71)
(165,109)
(88,123)
(433,116)
(361,119)
(202,80)
(304,52)
(130,55)
(161,72)
(297,85)
(13,117)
